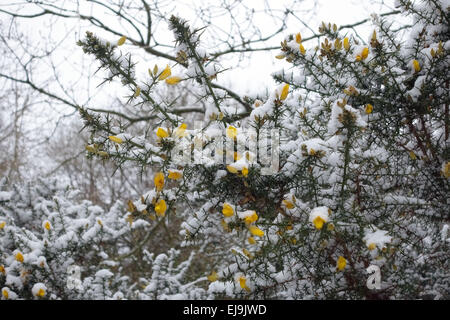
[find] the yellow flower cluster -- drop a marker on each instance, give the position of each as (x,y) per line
(93,148)
(5,293)
(160,206)
(166,75)
(115,139)
(298,39)
(346,44)
(47,225)
(319,216)
(416,65)
(213,276)
(363,55)
(318,222)
(121,40)
(232,169)
(175,175)
(161,133)
(243,283)
(19,257)
(249,218)
(231,132)
(284,92)
(227,210)
(341,263)
(178,132)
(40,293)
(254,230)
(289,204)
(159,181)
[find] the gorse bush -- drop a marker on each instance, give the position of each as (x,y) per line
(342,168)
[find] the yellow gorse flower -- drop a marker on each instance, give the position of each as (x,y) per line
(174,175)
(341,263)
(131,207)
(338,44)
(298,38)
(245,172)
(416,65)
(115,139)
(41,293)
(227,210)
(5,293)
(2,224)
(302,49)
(159,181)
(19,257)
(231,132)
(371,246)
(213,276)
(374,35)
(47,225)
(346,44)
(121,40)
(161,133)
(173,80)
(91,148)
(254,230)
(247,253)
(363,55)
(161,207)
(284,92)
(180,131)
(251,218)
(165,73)
(318,222)
(369,108)
(243,283)
(232,169)
(251,240)
(288,204)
